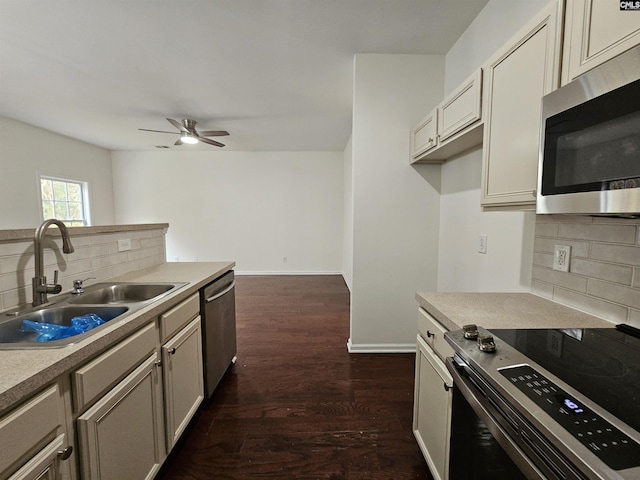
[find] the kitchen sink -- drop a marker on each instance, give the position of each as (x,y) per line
(122,293)
(12,338)
(108,300)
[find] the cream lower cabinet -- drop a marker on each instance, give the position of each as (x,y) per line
(596,31)
(516,79)
(432,395)
(47,464)
(34,439)
(183,379)
(122,435)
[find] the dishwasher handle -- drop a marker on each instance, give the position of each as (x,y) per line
(218,295)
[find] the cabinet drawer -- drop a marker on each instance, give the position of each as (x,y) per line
(433,333)
(30,427)
(179,316)
(97,376)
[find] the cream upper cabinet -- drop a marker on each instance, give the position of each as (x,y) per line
(516,79)
(453,126)
(596,31)
(423,136)
(461,108)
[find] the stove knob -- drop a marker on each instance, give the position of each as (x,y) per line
(470,331)
(486,343)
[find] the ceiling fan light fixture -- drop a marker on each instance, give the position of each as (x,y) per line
(188,138)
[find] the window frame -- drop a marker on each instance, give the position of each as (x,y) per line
(84,191)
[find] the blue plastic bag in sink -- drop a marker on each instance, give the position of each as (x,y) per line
(50,331)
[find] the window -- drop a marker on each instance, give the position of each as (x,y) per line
(65,200)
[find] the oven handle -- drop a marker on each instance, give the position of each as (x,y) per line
(476,400)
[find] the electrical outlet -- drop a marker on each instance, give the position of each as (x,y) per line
(482,244)
(124,244)
(562,258)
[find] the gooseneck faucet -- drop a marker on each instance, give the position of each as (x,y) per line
(40,286)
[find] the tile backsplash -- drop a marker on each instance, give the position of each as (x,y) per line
(604,269)
(96,255)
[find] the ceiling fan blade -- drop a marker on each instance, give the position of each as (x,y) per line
(158,131)
(213,133)
(178,142)
(177,124)
(210,142)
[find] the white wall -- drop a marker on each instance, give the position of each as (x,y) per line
(347,242)
(395,205)
(28,151)
(251,207)
(507,264)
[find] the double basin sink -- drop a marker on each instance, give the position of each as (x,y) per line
(109,300)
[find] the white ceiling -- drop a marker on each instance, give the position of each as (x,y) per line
(277,74)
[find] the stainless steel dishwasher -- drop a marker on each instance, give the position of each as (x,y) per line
(218,311)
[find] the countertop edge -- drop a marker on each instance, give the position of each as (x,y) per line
(27,233)
(56,362)
(504,310)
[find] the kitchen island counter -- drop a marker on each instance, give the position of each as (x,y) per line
(504,310)
(24,372)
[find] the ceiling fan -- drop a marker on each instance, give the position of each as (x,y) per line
(189,134)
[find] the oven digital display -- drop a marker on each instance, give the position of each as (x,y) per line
(570,404)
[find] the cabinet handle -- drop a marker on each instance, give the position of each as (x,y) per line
(158,363)
(429,334)
(447,387)
(171,351)
(66,453)
(430,139)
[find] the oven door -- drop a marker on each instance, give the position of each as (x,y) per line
(490,440)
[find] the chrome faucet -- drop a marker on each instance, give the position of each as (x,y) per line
(40,286)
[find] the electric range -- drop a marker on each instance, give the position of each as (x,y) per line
(566,400)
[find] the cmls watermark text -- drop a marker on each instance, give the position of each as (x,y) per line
(629,5)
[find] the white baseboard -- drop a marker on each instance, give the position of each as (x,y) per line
(381,347)
(269,272)
(346,281)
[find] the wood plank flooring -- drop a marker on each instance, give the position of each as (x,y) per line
(297,405)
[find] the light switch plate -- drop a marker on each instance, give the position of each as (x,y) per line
(562,258)
(124,244)
(482,244)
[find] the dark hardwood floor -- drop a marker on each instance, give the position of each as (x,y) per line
(297,405)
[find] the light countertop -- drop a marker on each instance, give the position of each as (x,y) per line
(23,372)
(504,310)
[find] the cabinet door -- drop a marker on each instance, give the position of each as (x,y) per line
(461,108)
(516,79)
(31,429)
(423,136)
(46,465)
(121,436)
(432,410)
(596,31)
(183,379)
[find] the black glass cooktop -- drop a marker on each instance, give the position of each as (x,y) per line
(603,364)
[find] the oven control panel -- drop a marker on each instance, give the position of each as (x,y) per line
(612,446)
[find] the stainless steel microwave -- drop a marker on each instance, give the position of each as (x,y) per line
(590,142)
